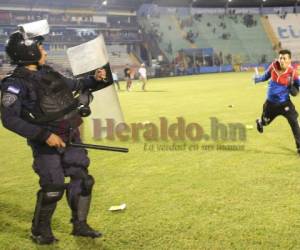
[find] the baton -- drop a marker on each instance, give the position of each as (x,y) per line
(98,147)
(93,146)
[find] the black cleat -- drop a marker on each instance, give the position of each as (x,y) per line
(81,228)
(259,126)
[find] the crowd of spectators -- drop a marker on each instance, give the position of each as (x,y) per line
(220,28)
(66,35)
(17,17)
(84,27)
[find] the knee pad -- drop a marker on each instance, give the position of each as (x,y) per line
(87,185)
(51,193)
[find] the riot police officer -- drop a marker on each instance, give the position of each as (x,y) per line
(38,103)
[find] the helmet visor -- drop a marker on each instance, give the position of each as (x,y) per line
(34,29)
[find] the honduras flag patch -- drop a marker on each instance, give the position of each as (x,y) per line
(13,90)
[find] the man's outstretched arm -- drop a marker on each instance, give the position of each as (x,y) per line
(264,77)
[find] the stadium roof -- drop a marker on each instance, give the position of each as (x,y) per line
(136,3)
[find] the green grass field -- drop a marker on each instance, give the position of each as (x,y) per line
(202,199)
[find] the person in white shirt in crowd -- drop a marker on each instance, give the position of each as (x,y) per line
(143,75)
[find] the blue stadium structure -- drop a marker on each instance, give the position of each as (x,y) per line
(173,37)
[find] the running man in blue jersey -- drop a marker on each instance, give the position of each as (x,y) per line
(284,81)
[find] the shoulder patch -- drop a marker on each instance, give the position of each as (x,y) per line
(13,89)
(8,99)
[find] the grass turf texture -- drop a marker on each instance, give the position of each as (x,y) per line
(175,200)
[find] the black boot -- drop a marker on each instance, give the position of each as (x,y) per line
(81,228)
(41,223)
(45,207)
(79,220)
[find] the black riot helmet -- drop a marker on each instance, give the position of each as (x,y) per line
(23,51)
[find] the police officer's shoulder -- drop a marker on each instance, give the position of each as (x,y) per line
(7,76)
(17,73)
(11,89)
(12,85)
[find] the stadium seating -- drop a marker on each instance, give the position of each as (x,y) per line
(287,31)
(167,31)
(227,34)
(233,39)
(118,55)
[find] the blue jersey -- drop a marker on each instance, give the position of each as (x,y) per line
(280,82)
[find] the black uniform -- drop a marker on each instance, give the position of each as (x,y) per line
(35,104)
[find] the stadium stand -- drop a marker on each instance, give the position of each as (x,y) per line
(286,29)
(241,36)
(72,26)
(167,33)
(172,39)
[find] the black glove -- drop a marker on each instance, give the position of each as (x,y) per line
(294,90)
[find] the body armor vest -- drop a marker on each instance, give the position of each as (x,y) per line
(54,99)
